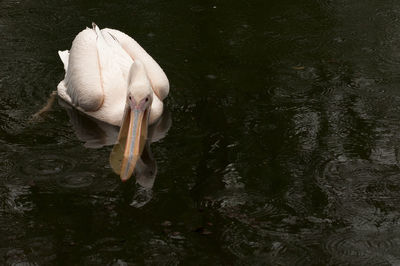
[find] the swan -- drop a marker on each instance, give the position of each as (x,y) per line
(110,77)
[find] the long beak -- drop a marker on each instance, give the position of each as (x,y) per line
(132,136)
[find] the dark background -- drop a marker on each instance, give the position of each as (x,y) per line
(283,150)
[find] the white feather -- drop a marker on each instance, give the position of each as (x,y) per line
(97,72)
(64,55)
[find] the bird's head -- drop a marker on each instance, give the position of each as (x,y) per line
(133,132)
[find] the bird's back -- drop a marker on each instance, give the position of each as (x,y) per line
(96,75)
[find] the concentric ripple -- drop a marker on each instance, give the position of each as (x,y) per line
(350,247)
(76,180)
(364,196)
(45,165)
(345,184)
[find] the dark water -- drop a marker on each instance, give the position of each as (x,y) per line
(284,146)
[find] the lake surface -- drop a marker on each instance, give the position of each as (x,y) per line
(280,144)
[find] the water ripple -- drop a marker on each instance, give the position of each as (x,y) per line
(350,188)
(361,249)
(45,165)
(76,180)
(365,197)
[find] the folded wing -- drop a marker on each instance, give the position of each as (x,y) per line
(156,75)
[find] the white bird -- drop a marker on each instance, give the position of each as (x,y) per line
(110,77)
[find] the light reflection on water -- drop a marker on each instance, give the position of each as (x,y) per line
(284,147)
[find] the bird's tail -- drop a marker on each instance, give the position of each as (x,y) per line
(97,31)
(64,56)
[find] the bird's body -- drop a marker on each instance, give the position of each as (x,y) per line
(97,70)
(110,77)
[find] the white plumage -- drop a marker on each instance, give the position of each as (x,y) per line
(97,71)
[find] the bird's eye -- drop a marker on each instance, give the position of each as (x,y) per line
(130,98)
(147,99)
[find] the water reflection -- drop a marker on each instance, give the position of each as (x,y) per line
(96,134)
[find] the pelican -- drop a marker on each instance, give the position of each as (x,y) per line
(110,77)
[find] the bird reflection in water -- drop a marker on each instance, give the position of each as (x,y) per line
(96,134)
